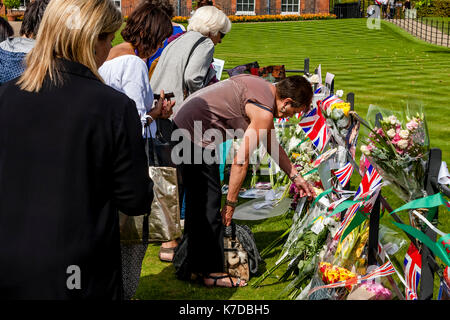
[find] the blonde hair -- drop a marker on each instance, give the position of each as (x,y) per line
(70,30)
(209,19)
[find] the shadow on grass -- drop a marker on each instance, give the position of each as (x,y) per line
(165,286)
(447,51)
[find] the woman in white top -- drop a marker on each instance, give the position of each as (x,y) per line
(125,70)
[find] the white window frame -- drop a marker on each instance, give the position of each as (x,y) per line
(290,12)
(120,4)
(22,7)
(246,13)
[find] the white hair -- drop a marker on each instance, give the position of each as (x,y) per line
(209,20)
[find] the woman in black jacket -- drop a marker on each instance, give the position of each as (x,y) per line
(71,154)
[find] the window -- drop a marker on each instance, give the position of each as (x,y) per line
(245,7)
(290,6)
(23,4)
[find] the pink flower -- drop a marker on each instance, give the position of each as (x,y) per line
(396,139)
(380,132)
(381,293)
(412,125)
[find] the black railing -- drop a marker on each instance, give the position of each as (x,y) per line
(348,10)
(431,30)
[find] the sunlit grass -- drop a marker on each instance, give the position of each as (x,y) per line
(385,67)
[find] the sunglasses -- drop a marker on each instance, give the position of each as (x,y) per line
(222,35)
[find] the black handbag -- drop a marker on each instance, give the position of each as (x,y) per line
(160,147)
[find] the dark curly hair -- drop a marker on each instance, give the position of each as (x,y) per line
(298,89)
(146,28)
(32,18)
(163,4)
(6,30)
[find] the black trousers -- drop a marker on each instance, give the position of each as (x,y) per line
(203,222)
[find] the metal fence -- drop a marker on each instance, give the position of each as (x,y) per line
(347,10)
(431,30)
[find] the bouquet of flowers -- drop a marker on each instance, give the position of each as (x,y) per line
(332,274)
(338,117)
(399,152)
(301,251)
(301,152)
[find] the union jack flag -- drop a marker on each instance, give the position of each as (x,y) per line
(315,127)
(369,187)
(282,120)
(330,100)
(344,174)
(347,218)
(413,266)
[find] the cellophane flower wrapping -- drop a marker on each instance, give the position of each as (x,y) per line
(397,146)
(301,153)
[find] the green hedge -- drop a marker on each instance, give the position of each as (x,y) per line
(432,8)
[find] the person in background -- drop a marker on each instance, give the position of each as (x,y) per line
(71,156)
(406,8)
(207,27)
(13,50)
(244,103)
(126,71)
(391,9)
(202,3)
(178,29)
(6,30)
(179,61)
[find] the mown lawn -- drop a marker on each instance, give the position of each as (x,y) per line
(385,67)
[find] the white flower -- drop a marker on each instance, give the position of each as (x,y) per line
(391,133)
(314,78)
(365,150)
(293,143)
(402,144)
(339,93)
(404,134)
(392,119)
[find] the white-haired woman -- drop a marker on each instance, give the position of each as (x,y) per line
(71,154)
(185,67)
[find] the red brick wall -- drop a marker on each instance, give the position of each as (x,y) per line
(229,6)
(323,7)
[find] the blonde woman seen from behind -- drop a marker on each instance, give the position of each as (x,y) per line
(81,158)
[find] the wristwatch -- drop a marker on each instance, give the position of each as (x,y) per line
(232,204)
(294,176)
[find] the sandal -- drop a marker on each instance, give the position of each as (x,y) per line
(163,250)
(233,285)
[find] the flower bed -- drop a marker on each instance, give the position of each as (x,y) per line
(269,18)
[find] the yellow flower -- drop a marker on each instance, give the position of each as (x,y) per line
(344,106)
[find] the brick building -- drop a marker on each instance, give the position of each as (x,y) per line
(244,7)
(23,4)
(230,7)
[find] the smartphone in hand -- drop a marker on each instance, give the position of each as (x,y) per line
(167,96)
